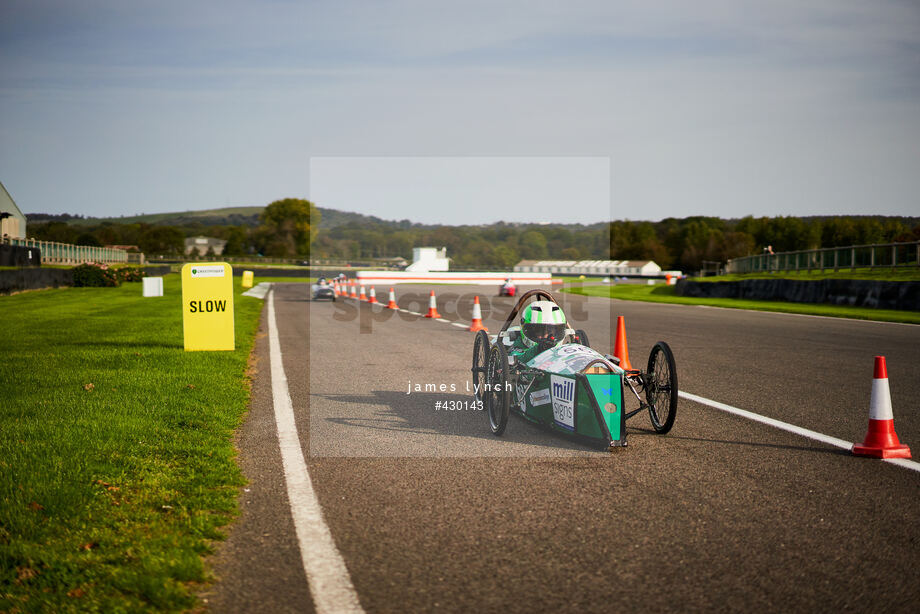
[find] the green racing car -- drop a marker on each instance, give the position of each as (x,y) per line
(548,374)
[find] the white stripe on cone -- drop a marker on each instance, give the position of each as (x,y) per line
(880,401)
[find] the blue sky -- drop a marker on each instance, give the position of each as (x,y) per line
(714,108)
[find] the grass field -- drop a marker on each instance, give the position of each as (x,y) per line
(301,280)
(117,466)
(665,294)
(877,274)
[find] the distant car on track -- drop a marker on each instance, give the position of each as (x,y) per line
(508,288)
(548,374)
(323,289)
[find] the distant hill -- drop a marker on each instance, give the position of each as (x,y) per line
(332,218)
(227,216)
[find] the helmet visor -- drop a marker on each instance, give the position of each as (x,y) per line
(542,333)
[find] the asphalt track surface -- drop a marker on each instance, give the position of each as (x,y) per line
(430,511)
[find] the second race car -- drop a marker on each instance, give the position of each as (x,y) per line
(323,289)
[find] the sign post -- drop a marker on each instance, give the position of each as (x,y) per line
(207,306)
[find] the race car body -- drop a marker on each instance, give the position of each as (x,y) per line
(569,387)
(323,290)
(553,390)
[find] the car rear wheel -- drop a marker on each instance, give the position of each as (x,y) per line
(661,387)
(498,398)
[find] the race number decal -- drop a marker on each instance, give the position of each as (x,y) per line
(563,395)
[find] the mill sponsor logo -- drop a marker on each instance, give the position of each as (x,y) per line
(563,396)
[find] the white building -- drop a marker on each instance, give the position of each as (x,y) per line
(199,246)
(610,268)
(12,221)
(425,259)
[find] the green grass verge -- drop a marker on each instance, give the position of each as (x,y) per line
(117,465)
(263,265)
(302,280)
(665,294)
(879,274)
(575,280)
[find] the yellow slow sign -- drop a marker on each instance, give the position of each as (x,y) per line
(207,306)
(247,279)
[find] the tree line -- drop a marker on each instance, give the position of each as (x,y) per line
(294,228)
(284,229)
(673,243)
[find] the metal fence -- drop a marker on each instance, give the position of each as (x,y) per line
(890,255)
(64,253)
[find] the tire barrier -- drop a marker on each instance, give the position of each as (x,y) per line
(36,278)
(904,295)
(14,255)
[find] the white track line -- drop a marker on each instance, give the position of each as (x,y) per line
(327,575)
(459,324)
(791,428)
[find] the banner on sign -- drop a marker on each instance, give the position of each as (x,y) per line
(207,306)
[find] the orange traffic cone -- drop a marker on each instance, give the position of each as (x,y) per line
(881,440)
(432,307)
(477,317)
(372,297)
(353,294)
(391,304)
(362,296)
(619,348)
(335,288)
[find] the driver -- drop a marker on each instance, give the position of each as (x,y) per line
(543,326)
(322,281)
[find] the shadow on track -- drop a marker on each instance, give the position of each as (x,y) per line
(755,444)
(416,413)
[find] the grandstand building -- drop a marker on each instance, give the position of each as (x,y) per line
(12,221)
(608,268)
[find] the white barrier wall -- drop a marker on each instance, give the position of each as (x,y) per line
(453,277)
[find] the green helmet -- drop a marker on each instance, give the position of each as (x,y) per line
(543,323)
